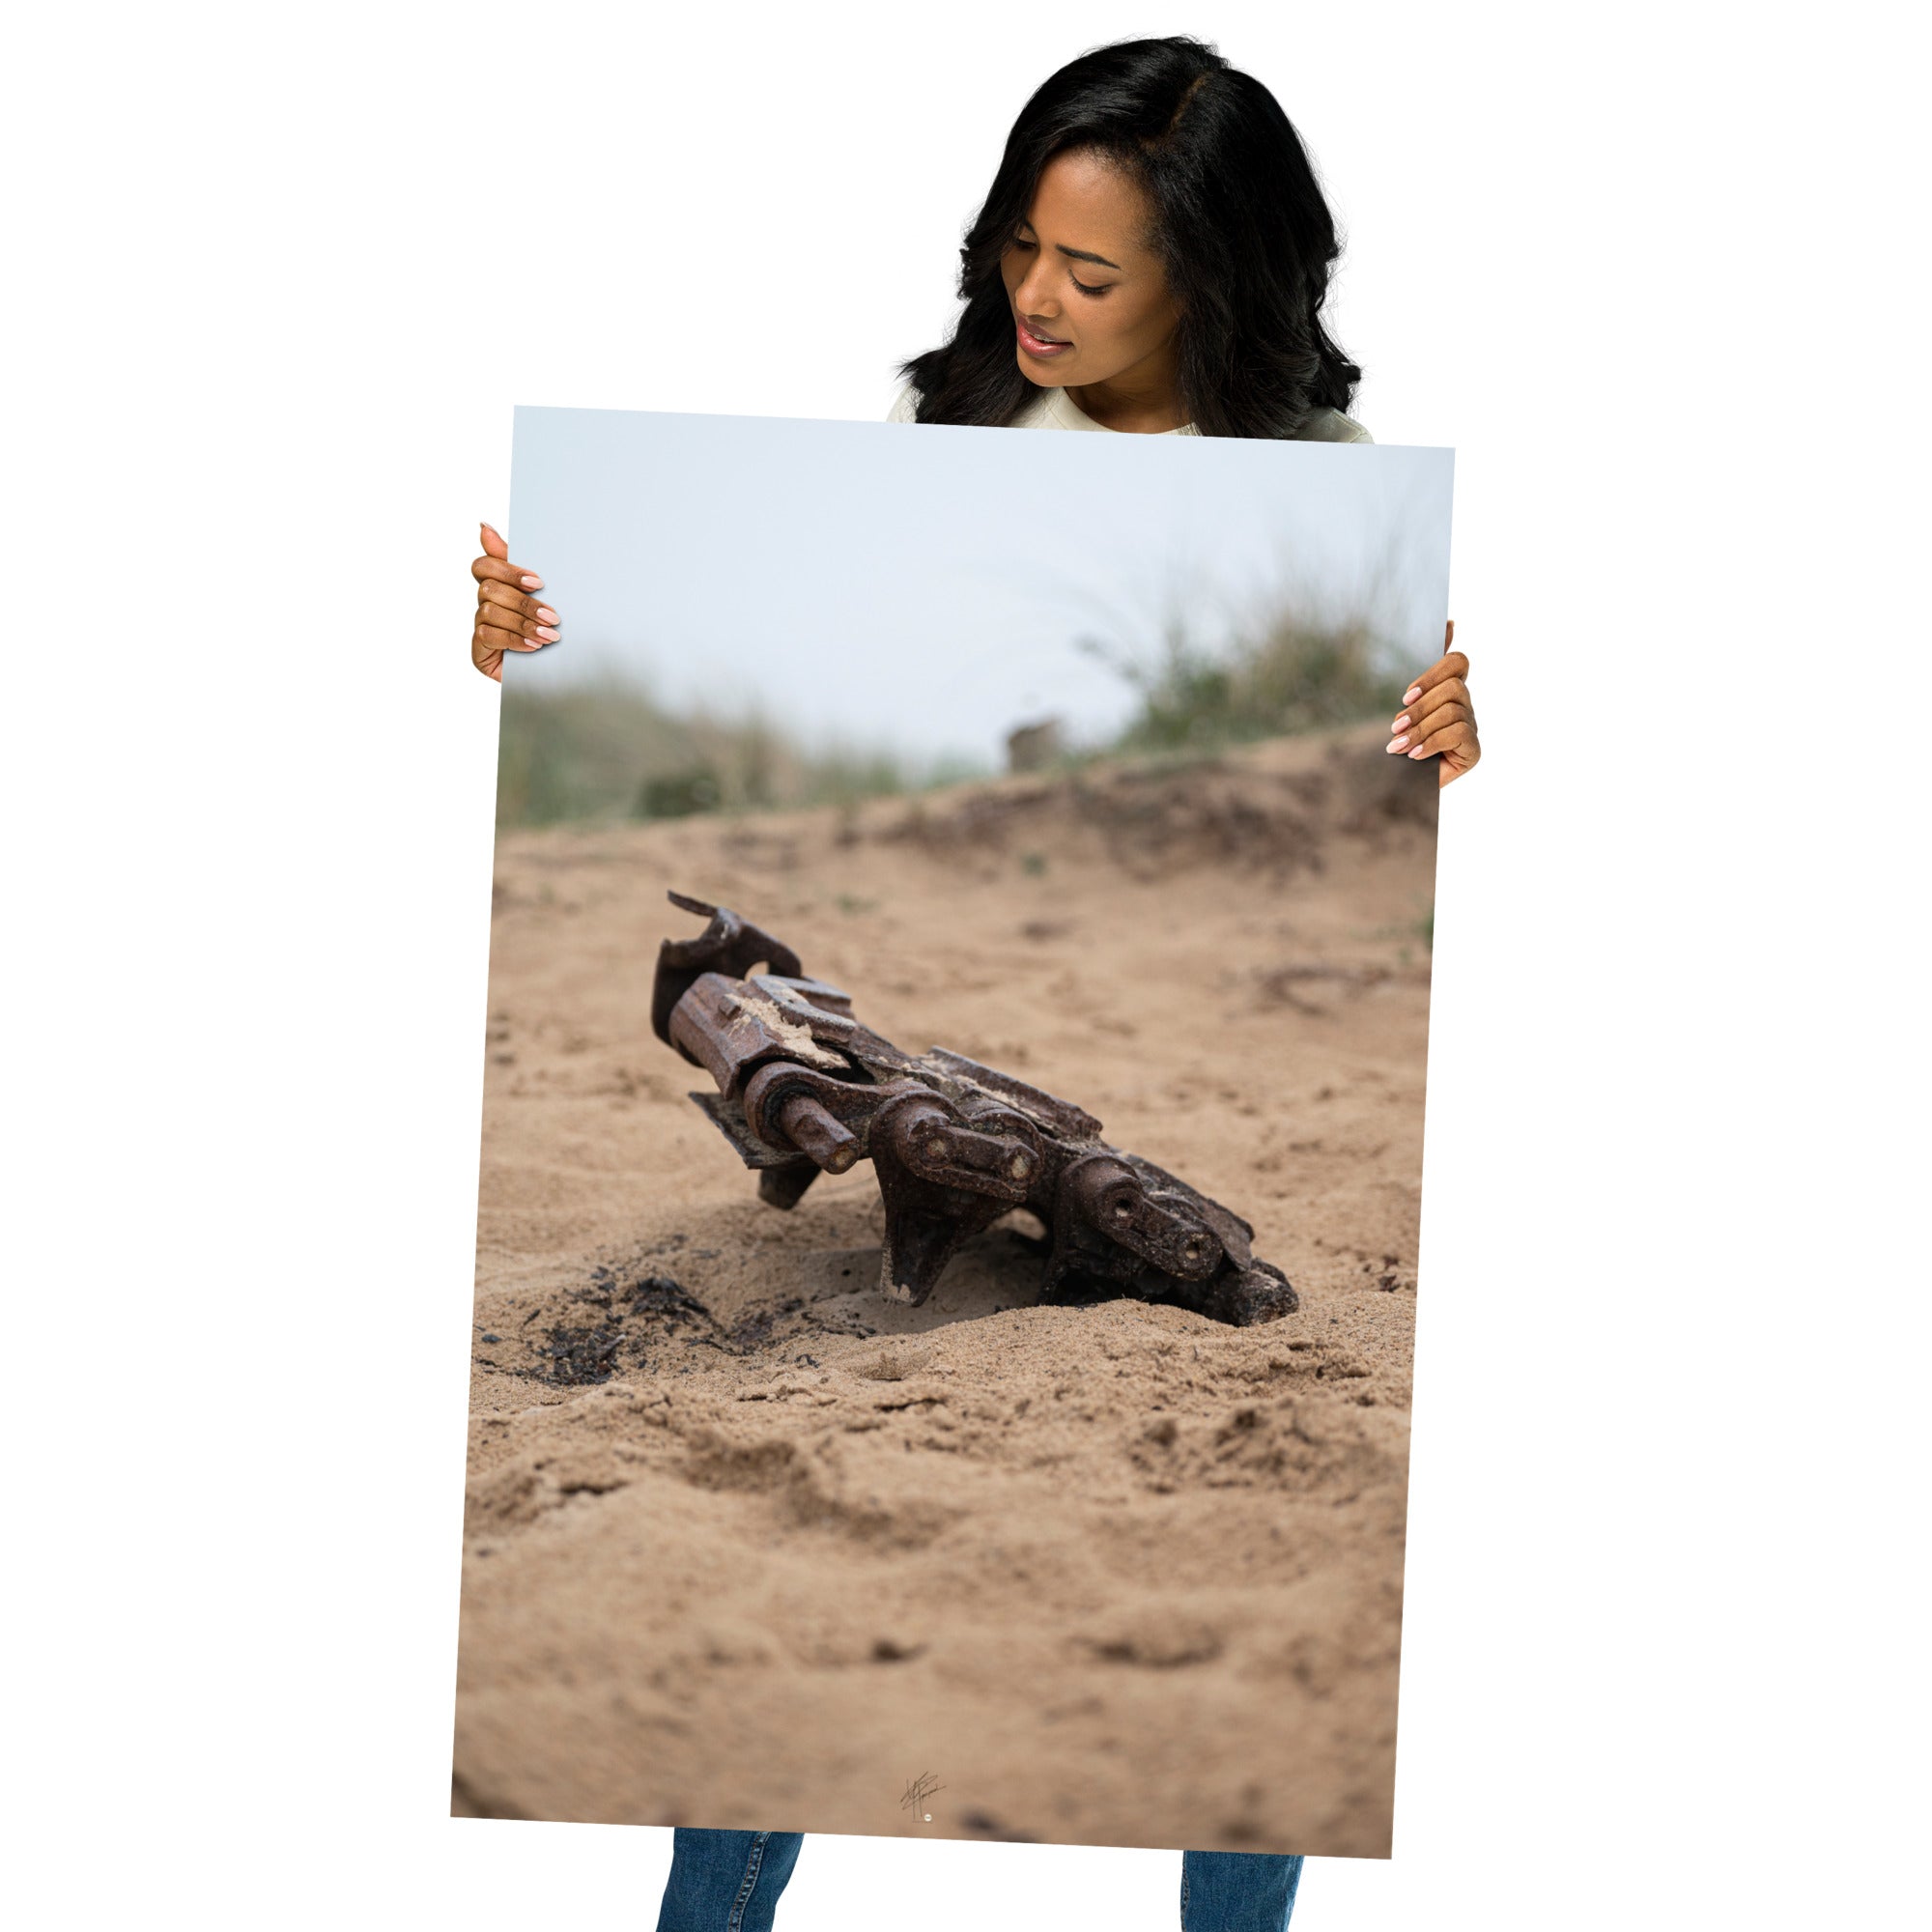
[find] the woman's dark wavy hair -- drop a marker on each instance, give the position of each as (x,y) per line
(1241,226)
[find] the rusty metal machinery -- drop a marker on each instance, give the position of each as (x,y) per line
(803,1088)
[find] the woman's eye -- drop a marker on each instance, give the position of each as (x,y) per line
(1096,289)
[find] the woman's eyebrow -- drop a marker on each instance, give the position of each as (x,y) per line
(1077,254)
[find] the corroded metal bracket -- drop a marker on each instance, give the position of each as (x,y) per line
(804,1089)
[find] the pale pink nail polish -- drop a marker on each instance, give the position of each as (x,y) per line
(549,637)
(1413,691)
(1395,744)
(545,615)
(1400,723)
(1417,753)
(533,583)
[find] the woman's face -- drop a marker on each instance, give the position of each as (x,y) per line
(1091,301)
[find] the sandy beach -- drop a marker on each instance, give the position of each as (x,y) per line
(748,1546)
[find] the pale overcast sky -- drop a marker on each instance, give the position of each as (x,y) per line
(924,587)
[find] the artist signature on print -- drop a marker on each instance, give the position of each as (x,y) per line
(918,1791)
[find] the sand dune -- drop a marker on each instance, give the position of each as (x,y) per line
(749,1546)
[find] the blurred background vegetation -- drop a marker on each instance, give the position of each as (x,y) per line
(608,751)
(1285,675)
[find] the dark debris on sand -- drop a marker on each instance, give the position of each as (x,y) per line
(634,1314)
(578,1356)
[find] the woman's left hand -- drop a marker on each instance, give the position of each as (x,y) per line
(1438,721)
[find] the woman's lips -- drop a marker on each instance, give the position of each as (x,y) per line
(1041,346)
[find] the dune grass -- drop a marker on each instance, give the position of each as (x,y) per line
(609,750)
(1285,676)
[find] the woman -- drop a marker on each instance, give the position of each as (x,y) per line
(1152,259)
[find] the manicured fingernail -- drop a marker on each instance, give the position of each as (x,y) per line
(1400,723)
(545,615)
(549,637)
(536,584)
(535,646)
(1417,753)
(1395,744)
(1413,691)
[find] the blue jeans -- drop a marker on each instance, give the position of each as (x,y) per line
(730,1881)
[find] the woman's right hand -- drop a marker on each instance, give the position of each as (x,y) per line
(507,617)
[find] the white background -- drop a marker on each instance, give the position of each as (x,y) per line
(278,276)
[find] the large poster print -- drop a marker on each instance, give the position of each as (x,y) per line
(952,1128)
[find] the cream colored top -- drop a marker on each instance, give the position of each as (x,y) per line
(1055,409)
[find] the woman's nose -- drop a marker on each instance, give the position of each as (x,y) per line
(1035,295)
